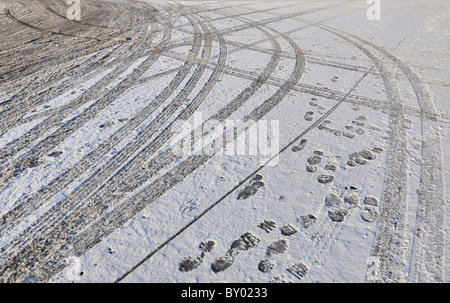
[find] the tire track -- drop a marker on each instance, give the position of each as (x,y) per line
(59,109)
(331,94)
(10,220)
(47,6)
(162,97)
(170,109)
(431,200)
(429,241)
(427,258)
(71,126)
(9,15)
(77,70)
(390,246)
(82,47)
(45,92)
(318,58)
(309,89)
(424,249)
(53,59)
(395,267)
(185,117)
(153,191)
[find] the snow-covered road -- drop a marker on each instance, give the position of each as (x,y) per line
(329,122)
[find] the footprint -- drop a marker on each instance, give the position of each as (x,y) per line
(363,156)
(337,215)
(275,248)
(307,220)
(268,225)
(337,212)
(266,265)
(378,150)
(312,166)
(314,103)
(314,160)
(362,121)
(361,118)
(245,242)
(207,246)
(333,200)
(300,146)
(408,124)
(370,213)
(359,123)
(309,116)
(348,134)
(257,177)
(318,152)
(323,178)
(325,125)
(371,200)
(299,270)
(356,107)
(367,154)
(331,167)
(280,279)
(319,108)
(190,263)
(352,200)
(222,263)
(349,131)
(340,207)
(288,230)
(351,163)
(251,189)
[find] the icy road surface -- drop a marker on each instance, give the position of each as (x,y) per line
(353,188)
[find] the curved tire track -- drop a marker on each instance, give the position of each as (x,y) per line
(102,176)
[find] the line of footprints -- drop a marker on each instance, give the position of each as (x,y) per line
(314,162)
(358,126)
(246,242)
(338,208)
